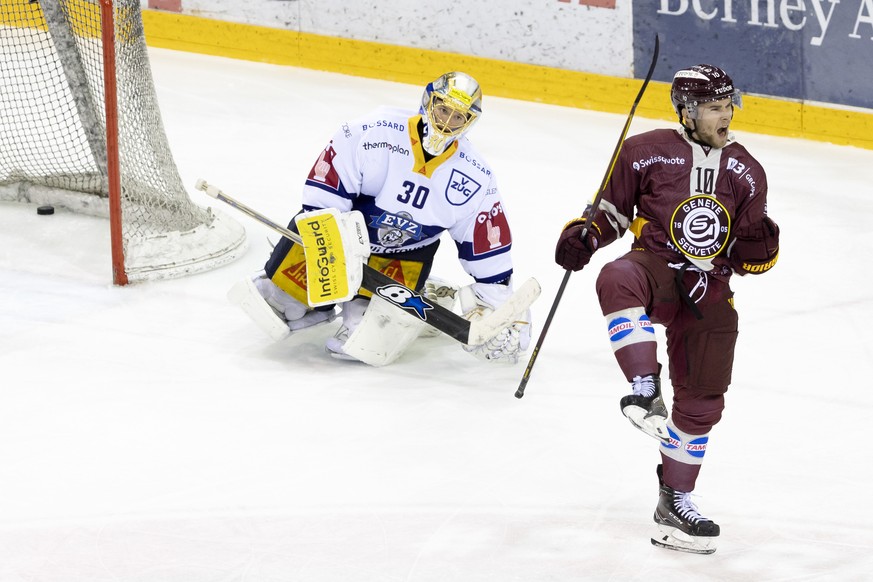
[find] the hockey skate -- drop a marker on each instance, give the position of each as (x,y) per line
(645,407)
(352,314)
(680,525)
(335,345)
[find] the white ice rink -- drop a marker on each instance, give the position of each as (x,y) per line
(152,433)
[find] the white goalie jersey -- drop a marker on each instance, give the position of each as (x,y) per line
(377,165)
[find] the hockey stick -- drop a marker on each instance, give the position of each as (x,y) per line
(472,333)
(589,214)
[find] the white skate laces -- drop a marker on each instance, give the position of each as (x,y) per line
(644,386)
(686,508)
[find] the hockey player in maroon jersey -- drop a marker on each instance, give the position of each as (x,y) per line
(696,203)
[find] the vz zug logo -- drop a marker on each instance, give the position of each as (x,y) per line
(405,298)
(461,188)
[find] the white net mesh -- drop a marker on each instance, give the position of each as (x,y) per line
(53,144)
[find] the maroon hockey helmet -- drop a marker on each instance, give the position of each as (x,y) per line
(700,84)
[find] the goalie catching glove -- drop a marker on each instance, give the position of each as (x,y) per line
(480,299)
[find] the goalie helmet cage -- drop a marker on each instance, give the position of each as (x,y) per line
(81,129)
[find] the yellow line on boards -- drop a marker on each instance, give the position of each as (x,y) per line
(767,115)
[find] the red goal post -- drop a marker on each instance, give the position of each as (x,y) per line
(81,129)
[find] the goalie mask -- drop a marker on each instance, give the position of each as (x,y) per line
(450,105)
(701,84)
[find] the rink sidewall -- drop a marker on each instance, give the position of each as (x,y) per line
(766,114)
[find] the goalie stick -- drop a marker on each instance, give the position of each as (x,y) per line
(472,333)
(592,209)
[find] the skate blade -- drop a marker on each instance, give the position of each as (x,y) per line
(673,539)
(654,426)
(342,356)
(338,353)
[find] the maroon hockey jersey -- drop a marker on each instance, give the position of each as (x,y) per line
(682,201)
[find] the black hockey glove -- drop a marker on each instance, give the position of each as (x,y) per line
(755,248)
(572,251)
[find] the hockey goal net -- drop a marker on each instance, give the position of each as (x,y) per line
(61,145)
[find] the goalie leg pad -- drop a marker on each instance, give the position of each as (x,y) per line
(273,310)
(383,334)
(245,295)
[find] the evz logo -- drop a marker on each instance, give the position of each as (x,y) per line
(395,229)
(461,188)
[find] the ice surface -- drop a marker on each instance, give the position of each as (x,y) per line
(152,433)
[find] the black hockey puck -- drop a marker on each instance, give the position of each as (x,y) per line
(45,210)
